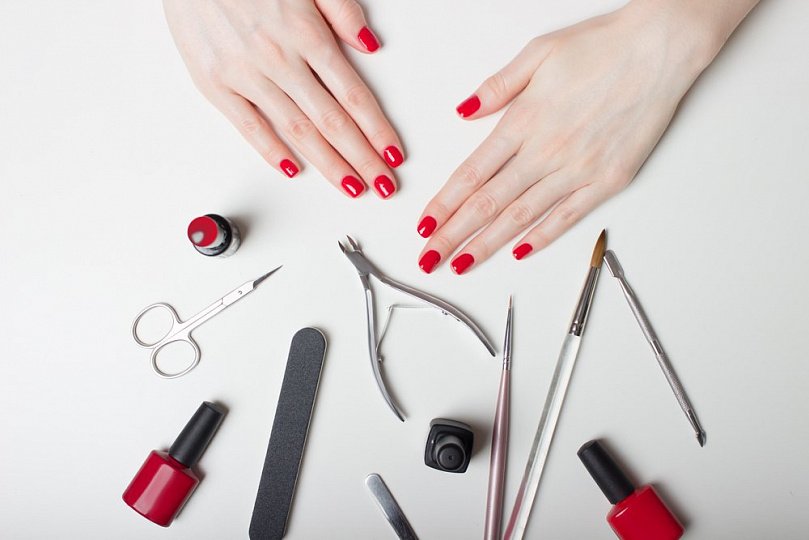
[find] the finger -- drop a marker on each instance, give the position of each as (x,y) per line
(304,135)
(340,131)
(253,127)
(356,98)
(503,86)
(516,217)
(348,21)
(566,214)
(470,176)
(480,209)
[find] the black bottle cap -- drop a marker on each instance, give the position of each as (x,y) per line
(197,433)
(611,479)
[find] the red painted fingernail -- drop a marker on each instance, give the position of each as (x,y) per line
(522,250)
(429,260)
(368,39)
(426,226)
(393,156)
(289,167)
(384,186)
(353,186)
(462,262)
(469,106)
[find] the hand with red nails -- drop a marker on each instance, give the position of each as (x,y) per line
(276,71)
(589,104)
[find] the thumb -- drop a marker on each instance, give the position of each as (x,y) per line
(348,21)
(499,89)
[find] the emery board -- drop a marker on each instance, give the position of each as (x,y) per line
(288,436)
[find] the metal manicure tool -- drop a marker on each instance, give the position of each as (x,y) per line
(554,400)
(662,359)
(389,506)
(497,465)
(180,331)
(366,268)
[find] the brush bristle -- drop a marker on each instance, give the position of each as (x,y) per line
(598,251)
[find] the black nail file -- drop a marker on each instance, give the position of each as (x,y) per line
(288,436)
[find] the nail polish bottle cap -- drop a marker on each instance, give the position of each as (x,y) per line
(197,433)
(609,477)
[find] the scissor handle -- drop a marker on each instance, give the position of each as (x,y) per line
(169,375)
(175,322)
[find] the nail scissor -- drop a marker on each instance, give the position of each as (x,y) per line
(180,331)
(366,268)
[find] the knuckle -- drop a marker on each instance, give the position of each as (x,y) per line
(358,97)
(249,125)
(300,128)
(568,214)
(348,10)
(366,168)
(521,214)
(468,175)
(442,243)
(334,121)
(314,33)
(483,204)
(497,85)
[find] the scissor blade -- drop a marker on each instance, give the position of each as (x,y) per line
(257,281)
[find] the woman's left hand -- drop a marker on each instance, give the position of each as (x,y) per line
(590,103)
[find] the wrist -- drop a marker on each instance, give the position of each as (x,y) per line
(697,28)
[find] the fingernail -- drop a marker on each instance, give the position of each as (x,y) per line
(289,167)
(462,262)
(368,39)
(522,250)
(352,186)
(384,186)
(429,260)
(469,106)
(427,226)
(393,156)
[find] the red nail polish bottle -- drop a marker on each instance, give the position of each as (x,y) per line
(165,480)
(638,514)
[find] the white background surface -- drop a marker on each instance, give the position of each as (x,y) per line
(108,151)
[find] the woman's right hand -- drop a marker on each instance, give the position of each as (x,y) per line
(275,70)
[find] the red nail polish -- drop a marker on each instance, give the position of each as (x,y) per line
(368,39)
(522,250)
(427,226)
(352,186)
(469,106)
(384,186)
(429,260)
(393,156)
(638,514)
(462,262)
(165,481)
(289,167)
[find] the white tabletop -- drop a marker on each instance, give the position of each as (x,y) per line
(108,151)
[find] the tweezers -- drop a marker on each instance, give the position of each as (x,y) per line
(366,268)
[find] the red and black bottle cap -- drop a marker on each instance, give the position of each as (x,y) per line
(609,477)
(197,433)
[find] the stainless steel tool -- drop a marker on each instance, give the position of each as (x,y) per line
(497,464)
(389,506)
(617,272)
(365,269)
(180,331)
(553,402)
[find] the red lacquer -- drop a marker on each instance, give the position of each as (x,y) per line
(638,514)
(352,186)
(462,263)
(429,260)
(165,481)
(384,186)
(426,226)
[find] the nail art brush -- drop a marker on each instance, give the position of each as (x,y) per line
(617,272)
(497,465)
(553,402)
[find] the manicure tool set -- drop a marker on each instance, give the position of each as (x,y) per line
(167,479)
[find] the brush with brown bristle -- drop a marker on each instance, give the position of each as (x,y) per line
(586,297)
(562,374)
